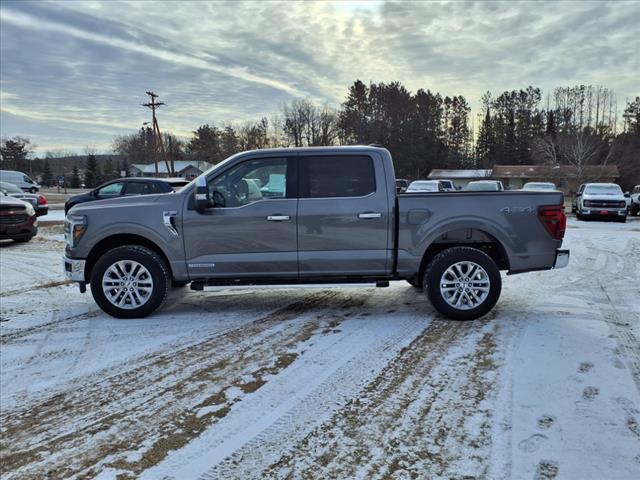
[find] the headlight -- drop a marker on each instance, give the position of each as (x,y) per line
(30,211)
(586,203)
(74,228)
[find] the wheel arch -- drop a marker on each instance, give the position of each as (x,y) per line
(465,237)
(120,240)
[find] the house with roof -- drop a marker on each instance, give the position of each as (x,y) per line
(566,177)
(184,168)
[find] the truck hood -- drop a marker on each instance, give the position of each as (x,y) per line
(138,201)
(600,196)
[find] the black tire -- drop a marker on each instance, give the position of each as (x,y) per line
(449,257)
(414,284)
(622,220)
(634,210)
(157,268)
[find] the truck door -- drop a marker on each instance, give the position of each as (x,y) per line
(250,228)
(343,215)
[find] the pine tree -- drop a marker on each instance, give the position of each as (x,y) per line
(47,176)
(485,146)
(75,177)
(551,124)
(91,175)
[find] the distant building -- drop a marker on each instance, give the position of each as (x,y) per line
(513,177)
(184,168)
(565,177)
(460,177)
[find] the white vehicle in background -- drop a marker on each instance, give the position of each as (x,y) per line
(19,179)
(484,186)
(539,187)
(601,200)
(448,185)
(425,186)
(634,207)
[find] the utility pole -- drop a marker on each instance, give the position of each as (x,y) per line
(153,105)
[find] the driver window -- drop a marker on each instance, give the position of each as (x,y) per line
(250,181)
(111,189)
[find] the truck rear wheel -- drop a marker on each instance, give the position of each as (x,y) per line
(463,283)
(130,281)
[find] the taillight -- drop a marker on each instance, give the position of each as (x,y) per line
(554,220)
(42,200)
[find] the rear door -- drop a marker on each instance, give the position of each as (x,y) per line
(137,187)
(343,215)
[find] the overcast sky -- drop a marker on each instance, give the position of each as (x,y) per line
(73,74)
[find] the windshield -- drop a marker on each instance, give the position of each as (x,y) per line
(482,187)
(539,186)
(603,190)
(423,186)
(9,187)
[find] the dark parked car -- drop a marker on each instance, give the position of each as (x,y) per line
(18,220)
(125,187)
(37,200)
(401,185)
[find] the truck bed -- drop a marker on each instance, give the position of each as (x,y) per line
(506,222)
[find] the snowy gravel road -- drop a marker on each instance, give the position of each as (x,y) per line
(326,383)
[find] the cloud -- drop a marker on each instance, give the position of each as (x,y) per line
(86,65)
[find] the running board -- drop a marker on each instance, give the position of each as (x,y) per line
(216,287)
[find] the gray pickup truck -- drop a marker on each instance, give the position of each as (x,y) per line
(310,216)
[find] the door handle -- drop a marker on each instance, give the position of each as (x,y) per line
(278,218)
(370,215)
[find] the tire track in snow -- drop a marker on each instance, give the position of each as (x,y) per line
(430,397)
(142,404)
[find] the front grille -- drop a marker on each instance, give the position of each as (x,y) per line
(607,204)
(13,219)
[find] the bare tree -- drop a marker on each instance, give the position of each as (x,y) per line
(545,150)
(581,150)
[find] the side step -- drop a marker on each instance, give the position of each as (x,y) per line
(203,286)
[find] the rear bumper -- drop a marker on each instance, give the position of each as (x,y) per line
(562,259)
(73,268)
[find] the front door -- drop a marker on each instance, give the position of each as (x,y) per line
(250,228)
(343,216)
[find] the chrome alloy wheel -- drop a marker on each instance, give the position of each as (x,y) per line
(127,284)
(465,285)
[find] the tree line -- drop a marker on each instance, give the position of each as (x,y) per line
(575,125)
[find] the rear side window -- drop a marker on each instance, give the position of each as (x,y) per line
(137,188)
(338,176)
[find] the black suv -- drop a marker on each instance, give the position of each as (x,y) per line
(127,187)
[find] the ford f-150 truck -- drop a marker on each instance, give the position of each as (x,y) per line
(310,216)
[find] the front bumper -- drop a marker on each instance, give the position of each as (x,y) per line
(562,259)
(73,268)
(604,212)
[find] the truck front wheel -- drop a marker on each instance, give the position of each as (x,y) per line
(130,281)
(463,283)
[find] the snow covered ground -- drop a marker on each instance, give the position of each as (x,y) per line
(326,383)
